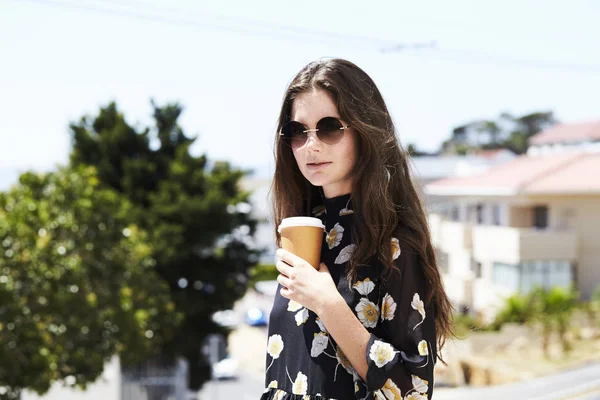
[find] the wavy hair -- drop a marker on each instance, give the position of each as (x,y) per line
(383,195)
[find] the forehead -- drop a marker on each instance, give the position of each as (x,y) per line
(309,107)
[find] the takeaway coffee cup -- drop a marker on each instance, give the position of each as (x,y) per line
(303,236)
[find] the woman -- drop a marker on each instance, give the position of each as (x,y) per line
(368,322)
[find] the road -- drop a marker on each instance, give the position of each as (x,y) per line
(581,384)
(247,387)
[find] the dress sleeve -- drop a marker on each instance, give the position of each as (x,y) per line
(401,351)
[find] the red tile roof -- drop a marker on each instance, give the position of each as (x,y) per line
(564,173)
(566,133)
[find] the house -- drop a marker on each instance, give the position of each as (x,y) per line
(531,221)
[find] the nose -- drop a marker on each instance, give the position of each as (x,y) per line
(311,137)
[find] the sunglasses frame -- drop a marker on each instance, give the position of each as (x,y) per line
(316,130)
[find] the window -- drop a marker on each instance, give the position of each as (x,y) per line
(496,215)
(479,213)
(455,213)
(526,276)
(540,217)
(507,276)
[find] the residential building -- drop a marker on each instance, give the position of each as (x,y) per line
(531,221)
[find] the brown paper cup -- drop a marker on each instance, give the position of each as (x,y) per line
(303,236)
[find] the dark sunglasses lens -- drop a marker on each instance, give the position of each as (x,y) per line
(293,133)
(330,130)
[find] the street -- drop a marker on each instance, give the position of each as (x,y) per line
(246,387)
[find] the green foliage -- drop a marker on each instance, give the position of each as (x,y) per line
(197,232)
(518,309)
(263,272)
(507,131)
(77,282)
(553,310)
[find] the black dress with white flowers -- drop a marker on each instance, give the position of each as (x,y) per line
(303,360)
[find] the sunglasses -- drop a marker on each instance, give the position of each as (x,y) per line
(329,130)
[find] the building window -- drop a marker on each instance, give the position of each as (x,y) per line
(496,215)
(455,215)
(479,213)
(540,217)
(528,275)
(506,276)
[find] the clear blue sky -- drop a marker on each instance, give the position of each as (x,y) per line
(228,63)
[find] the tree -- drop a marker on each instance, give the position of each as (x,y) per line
(77,283)
(506,132)
(553,309)
(197,216)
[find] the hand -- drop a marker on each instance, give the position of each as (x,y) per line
(312,288)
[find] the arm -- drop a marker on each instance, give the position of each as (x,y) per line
(398,358)
(347,331)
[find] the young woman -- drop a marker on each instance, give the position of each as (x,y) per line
(369,321)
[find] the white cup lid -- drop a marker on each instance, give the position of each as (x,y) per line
(300,221)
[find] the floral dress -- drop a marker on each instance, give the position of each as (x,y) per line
(304,361)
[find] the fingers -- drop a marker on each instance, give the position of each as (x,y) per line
(290,258)
(284,281)
(284,269)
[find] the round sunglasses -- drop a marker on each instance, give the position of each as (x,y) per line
(329,130)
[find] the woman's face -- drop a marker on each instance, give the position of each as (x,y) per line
(339,158)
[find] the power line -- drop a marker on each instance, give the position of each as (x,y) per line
(269,30)
(278,31)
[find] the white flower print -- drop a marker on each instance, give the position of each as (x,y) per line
(381,353)
(418,305)
(364,287)
(388,308)
(321,324)
(345,210)
(423,349)
(345,254)
(415,396)
(301,316)
(396,251)
(367,312)
(294,306)
(272,384)
(319,344)
(389,391)
(334,236)
(300,385)
(419,384)
(279,395)
(275,346)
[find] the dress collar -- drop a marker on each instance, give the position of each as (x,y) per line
(337,206)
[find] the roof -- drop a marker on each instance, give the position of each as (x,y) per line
(438,167)
(572,173)
(565,133)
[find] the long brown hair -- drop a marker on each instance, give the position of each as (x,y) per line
(383,196)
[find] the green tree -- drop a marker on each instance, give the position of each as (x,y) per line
(507,131)
(553,309)
(196,214)
(77,283)
(518,309)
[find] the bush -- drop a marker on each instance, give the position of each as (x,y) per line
(262,272)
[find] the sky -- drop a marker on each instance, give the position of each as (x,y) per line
(229,62)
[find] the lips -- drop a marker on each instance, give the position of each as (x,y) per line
(312,167)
